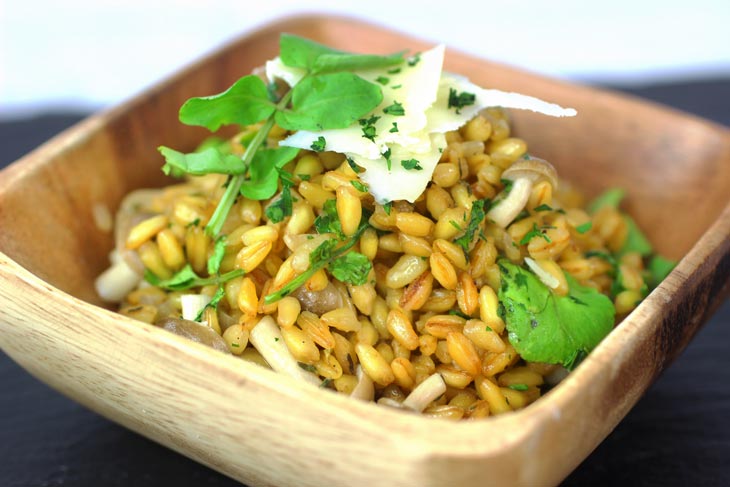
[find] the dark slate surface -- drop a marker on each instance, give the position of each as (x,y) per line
(677,435)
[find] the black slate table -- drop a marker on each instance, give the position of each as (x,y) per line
(677,435)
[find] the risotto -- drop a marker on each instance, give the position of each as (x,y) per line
(374,227)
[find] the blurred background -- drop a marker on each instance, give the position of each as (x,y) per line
(87,54)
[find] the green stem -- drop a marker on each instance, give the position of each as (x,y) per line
(233,189)
(298,281)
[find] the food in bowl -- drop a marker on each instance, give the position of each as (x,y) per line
(375,228)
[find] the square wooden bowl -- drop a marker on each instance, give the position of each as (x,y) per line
(264,429)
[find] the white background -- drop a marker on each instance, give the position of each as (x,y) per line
(86,54)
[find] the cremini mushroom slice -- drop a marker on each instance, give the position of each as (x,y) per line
(365,389)
(524,174)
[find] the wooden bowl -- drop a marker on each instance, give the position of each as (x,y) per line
(264,429)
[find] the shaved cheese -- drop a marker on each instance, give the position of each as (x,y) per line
(399,183)
(275,69)
(441,118)
(422,91)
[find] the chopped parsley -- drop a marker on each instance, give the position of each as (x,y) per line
(585,227)
(395,109)
(394,128)
(387,207)
(518,387)
(415,59)
(357,169)
(534,232)
(460,100)
(359,186)
(368,127)
(478,211)
(544,207)
(411,164)
(353,268)
(394,71)
(319,144)
(388,162)
(383,80)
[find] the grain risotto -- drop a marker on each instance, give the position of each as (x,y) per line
(374,227)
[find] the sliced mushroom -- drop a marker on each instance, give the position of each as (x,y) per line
(132,210)
(524,174)
(365,389)
(425,393)
(117,281)
(266,338)
(195,332)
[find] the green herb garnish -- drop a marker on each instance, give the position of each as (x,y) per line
(545,327)
(328,221)
(216,257)
(411,165)
(359,186)
(319,144)
(386,156)
(355,168)
(186,278)
(396,109)
(460,100)
(329,96)
(368,127)
(478,211)
(534,232)
(219,294)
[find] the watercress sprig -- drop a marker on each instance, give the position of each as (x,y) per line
(328,96)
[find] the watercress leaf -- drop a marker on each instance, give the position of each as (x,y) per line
(182,279)
(298,52)
(217,142)
(545,327)
(244,103)
(659,268)
(263,177)
(329,101)
(636,241)
(353,268)
(611,197)
(343,61)
(216,257)
(207,161)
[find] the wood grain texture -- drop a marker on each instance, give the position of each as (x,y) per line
(258,427)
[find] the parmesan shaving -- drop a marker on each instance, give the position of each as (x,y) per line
(423,92)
